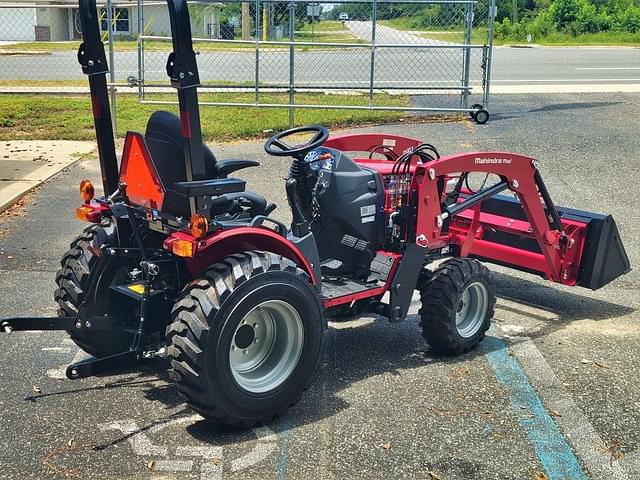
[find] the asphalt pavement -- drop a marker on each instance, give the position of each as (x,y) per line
(554,389)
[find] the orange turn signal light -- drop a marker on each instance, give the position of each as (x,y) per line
(199,226)
(182,248)
(83,213)
(86,191)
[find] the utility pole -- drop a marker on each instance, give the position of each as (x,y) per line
(246,21)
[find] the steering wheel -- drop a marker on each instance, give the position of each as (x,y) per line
(277,147)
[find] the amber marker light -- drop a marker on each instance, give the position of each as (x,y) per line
(86,191)
(199,226)
(182,248)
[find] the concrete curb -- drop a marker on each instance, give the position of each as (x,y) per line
(29,164)
(15,191)
(24,53)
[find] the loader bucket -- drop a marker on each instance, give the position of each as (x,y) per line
(602,257)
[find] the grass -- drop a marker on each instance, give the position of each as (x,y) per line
(69,117)
(326,26)
(451,34)
(479,35)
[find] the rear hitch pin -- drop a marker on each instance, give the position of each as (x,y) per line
(6,327)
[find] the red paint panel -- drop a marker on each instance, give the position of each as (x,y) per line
(223,243)
(186,124)
(366,142)
(95,106)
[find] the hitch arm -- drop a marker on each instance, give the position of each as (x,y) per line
(25,324)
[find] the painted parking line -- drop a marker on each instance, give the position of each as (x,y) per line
(576,427)
(551,448)
(189,458)
(554,448)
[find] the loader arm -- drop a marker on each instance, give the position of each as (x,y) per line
(565,246)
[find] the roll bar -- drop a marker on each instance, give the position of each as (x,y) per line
(183,72)
(93,60)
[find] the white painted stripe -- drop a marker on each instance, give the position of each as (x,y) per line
(57,349)
(574,424)
(173,465)
(265,445)
(631,462)
(607,68)
(211,471)
(566,80)
(204,452)
(140,443)
(537,89)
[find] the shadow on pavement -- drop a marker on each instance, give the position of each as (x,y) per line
(556,107)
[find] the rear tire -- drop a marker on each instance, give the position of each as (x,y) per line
(73,279)
(457,306)
(219,368)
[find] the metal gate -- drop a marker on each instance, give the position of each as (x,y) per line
(429,55)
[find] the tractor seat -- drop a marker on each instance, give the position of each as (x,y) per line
(166,145)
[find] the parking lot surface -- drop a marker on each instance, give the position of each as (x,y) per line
(553,392)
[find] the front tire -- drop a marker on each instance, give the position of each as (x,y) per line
(246,339)
(457,306)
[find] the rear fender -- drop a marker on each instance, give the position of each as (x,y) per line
(227,242)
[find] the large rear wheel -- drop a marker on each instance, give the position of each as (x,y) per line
(79,266)
(246,338)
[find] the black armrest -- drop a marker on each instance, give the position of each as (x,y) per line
(214,187)
(225,167)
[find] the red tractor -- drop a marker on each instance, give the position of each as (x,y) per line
(180,261)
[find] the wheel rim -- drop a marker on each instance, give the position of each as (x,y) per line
(472,309)
(266,346)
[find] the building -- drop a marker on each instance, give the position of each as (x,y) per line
(57,20)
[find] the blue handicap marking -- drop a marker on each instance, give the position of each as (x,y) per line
(550,446)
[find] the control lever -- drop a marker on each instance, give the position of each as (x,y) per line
(299,223)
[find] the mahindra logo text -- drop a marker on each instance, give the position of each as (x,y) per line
(492,161)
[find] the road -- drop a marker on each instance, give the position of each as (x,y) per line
(554,389)
(351,68)
(388,35)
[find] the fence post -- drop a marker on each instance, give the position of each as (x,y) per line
(466,67)
(112,68)
(140,51)
(292,30)
(489,51)
(257,72)
(374,20)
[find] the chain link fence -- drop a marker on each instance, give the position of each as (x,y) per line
(405,55)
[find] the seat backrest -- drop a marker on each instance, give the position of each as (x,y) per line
(166,145)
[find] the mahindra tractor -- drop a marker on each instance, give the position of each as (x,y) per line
(180,261)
